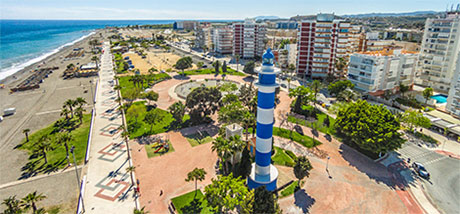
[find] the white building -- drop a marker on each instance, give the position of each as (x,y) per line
(378,71)
(248,39)
(439,51)
(223,40)
(453,99)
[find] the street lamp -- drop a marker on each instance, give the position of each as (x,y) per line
(327,163)
(78,178)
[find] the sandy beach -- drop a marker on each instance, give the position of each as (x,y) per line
(38,108)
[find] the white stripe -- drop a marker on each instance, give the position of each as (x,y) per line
(263,145)
(264,116)
(265,89)
(262,170)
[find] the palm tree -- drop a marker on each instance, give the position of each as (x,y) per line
(236,146)
(196,175)
(70,103)
(64,139)
(302,168)
(221,146)
(12,204)
(248,121)
(30,201)
(79,112)
(26,132)
(43,146)
(140,211)
(131,170)
(315,87)
(95,59)
(65,111)
(80,101)
(237,59)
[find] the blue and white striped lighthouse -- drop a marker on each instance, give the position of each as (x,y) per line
(263,172)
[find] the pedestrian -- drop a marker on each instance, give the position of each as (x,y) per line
(161,192)
(408,160)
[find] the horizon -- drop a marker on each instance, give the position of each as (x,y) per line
(205,9)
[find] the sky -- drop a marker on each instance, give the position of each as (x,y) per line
(204,9)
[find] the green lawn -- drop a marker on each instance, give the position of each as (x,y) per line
(302,139)
(289,190)
(189,203)
(283,157)
(318,124)
(152,148)
(57,157)
(140,128)
(127,85)
(211,71)
(197,139)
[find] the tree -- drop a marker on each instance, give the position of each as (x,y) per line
(229,99)
(95,59)
(151,96)
(414,118)
(131,95)
(216,65)
(231,113)
(427,93)
(131,170)
(70,103)
(315,87)
(221,146)
(26,132)
(178,111)
(183,63)
(30,201)
(403,89)
(236,147)
(303,96)
(135,111)
(12,205)
(196,175)
(249,68)
(244,166)
(302,168)
(265,201)
(202,102)
(340,64)
(65,112)
(247,207)
(79,112)
(225,193)
(140,211)
(199,65)
(246,94)
(153,117)
(43,146)
(248,120)
(224,68)
(372,128)
(336,87)
(237,59)
(64,139)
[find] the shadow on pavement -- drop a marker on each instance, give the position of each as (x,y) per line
(181,77)
(303,200)
(249,79)
(374,171)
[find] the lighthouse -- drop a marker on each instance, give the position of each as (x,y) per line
(263,173)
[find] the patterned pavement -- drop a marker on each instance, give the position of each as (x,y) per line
(108,185)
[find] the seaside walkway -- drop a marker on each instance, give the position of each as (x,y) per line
(108,187)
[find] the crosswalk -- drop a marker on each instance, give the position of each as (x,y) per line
(418,154)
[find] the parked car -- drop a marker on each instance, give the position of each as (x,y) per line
(420,169)
(283,85)
(9,111)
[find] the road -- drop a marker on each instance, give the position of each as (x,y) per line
(444,184)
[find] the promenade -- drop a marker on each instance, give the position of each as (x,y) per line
(108,186)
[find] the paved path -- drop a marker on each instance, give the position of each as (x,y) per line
(108,185)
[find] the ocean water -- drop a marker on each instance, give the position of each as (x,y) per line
(24,42)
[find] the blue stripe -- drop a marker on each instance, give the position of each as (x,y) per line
(263,159)
(254,184)
(267,79)
(264,130)
(266,100)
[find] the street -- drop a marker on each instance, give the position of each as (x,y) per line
(443,187)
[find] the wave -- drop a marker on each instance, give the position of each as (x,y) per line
(19,66)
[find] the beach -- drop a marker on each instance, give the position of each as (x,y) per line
(38,108)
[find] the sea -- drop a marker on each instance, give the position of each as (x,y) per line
(25,42)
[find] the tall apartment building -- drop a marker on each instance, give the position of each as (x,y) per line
(378,71)
(320,43)
(357,39)
(223,40)
(440,51)
(453,99)
(248,39)
(186,25)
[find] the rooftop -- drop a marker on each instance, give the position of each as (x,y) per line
(390,51)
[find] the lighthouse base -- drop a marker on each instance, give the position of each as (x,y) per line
(269,181)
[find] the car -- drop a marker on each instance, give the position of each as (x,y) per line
(420,169)
(283,85)
(204,66)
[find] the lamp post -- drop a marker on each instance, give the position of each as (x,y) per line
(327,163)
(92,94)
(78,178)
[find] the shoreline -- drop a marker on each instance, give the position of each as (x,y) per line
(14,78)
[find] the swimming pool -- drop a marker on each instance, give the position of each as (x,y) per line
(440,98)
